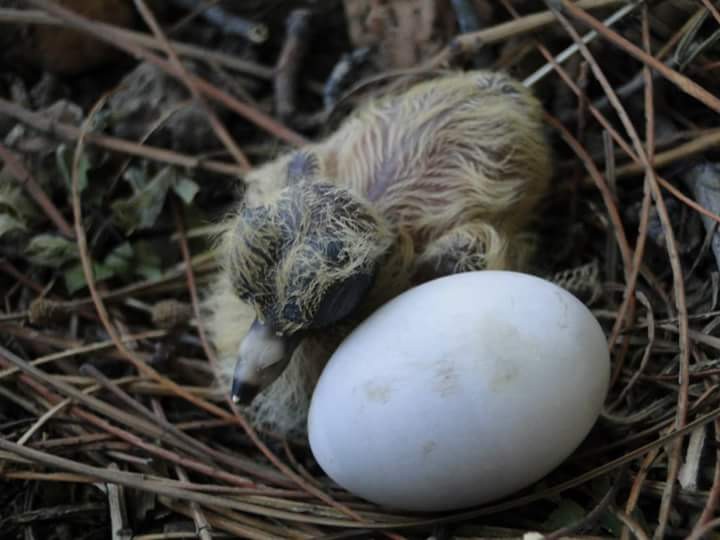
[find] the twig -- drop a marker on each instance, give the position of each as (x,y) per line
(290,60)
(685,150)
(118,514)
(182,73)
(587,38)
(632,525)
(60,512)
(7,267)
(679,286)
(221,519)
(678,283)
(634,496)
(186,440)
(685,84)
(202,527)
(250,113)
(127,419)
(192,286)
(698,145)
(70,132)
(650,317)
(43,420)
(602,186)
(228,22)
(468,43)
(26,180)
(596,512)
(638,81)
(712,9)
(163,488)
(26,16)
(72,351)
(167,487)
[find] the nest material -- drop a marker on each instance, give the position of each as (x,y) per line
(105,460)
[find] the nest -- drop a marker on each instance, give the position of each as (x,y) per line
(110,425)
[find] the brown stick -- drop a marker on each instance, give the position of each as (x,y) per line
(23,16)
(466,43)
(184,76)
(70,132)
(684,83)
(26,180)
(288,64)
(243,109)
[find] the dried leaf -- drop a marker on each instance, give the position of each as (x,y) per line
(51,250)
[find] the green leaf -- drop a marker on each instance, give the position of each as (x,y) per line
(148,262)
(9,224)
(74,279)
(15,203)
(83,167)
(101,272)
(51,250)
(186,189)
(136,177)
(566,513)
(149,272)
(64,160)
(141,210)
(119,261)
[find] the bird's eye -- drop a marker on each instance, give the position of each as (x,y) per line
(341,299)
(334,250)
(291,312)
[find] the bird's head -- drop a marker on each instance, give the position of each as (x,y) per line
(305,261)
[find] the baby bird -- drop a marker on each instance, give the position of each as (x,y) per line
(439,179)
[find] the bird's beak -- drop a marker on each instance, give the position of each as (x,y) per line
(243,392)
(262,357)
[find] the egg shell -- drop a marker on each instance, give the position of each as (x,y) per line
(460,391)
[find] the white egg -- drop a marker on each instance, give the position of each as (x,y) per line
(460,391)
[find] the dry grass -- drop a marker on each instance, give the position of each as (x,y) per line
(108,422)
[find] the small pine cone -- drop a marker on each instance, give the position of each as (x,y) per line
(169,314)
(44,312)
